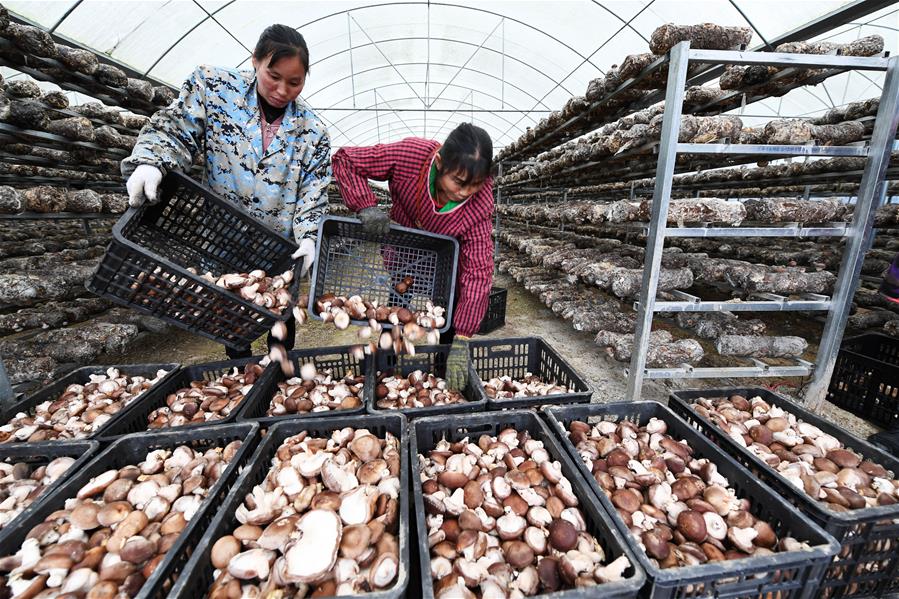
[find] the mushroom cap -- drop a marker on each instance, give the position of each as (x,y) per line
(312,556)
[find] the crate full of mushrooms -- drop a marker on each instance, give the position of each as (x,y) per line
(123,524)
(29,471)
(526,372)
(844,484)
(81,405)
(203,394)
(502,511)
(415,385)
(405,277)
(327,381)
(321,511)
(201,263)
(699,523)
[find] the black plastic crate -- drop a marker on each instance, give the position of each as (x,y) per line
(81,376)
(495,317)
(41,454)
(865,378)
(132,450)
(516,356)
(430,359)
(137,419)
(424,434)
(338,359)
(351,263)
(197,577)
(785,575)
(868,537)
(887,440)
(145,266)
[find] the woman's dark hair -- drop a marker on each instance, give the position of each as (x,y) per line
(281,41)
(468,149)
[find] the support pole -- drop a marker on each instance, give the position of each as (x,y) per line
(655,240)
(871,193)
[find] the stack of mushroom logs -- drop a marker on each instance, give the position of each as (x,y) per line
(81,409)
(678,507)
(323,521)
(110,538)
(503,520)
(810,459)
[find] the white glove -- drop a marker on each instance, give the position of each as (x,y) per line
(143,184)
(306,251)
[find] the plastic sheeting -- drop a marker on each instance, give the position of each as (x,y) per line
(384,71)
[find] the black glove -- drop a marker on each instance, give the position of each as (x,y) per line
(374,221)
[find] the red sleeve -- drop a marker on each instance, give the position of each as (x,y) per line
(353,167)
(476,277)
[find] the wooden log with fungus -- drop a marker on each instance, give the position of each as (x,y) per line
(789,210)
(711,325)
(704,36)
(83,61)
(751,346)
(663,351)
(785,280)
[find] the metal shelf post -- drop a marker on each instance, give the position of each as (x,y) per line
(871,194)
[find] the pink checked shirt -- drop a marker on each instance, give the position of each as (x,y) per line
(401,165)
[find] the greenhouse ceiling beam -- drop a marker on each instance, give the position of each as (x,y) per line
(104,58)
(438,110)
(428,4)
(380,117)
(380,87)
(368,135)
(384,56)
(465,64)
(626,24)
(379,111)
(186,33)
(524,63)
(439,64)
(841,16)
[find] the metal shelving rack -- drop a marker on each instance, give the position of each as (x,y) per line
(858,234)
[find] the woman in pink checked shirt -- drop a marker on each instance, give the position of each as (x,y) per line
(445,189)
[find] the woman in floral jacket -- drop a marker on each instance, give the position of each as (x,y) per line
(262,147)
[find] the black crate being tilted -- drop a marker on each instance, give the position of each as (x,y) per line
(146,265)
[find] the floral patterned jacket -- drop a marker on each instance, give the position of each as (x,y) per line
(217,117)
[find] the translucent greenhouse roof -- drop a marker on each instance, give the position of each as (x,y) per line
(384,71)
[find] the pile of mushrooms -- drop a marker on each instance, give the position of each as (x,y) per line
(20,485)
(81,409)
(503,521)
(324,521)
(256,286)
(342,310)
(206,401)
(813,461)
(679,508)
(417,390)
(316,391)
(110,538)
(531,385)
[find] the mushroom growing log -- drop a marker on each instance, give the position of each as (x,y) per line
(801,131)
(789,210)
(83,61)
(76,127)
(663,352)
(782,280)
(711,325)
(761,347)
(704,36)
